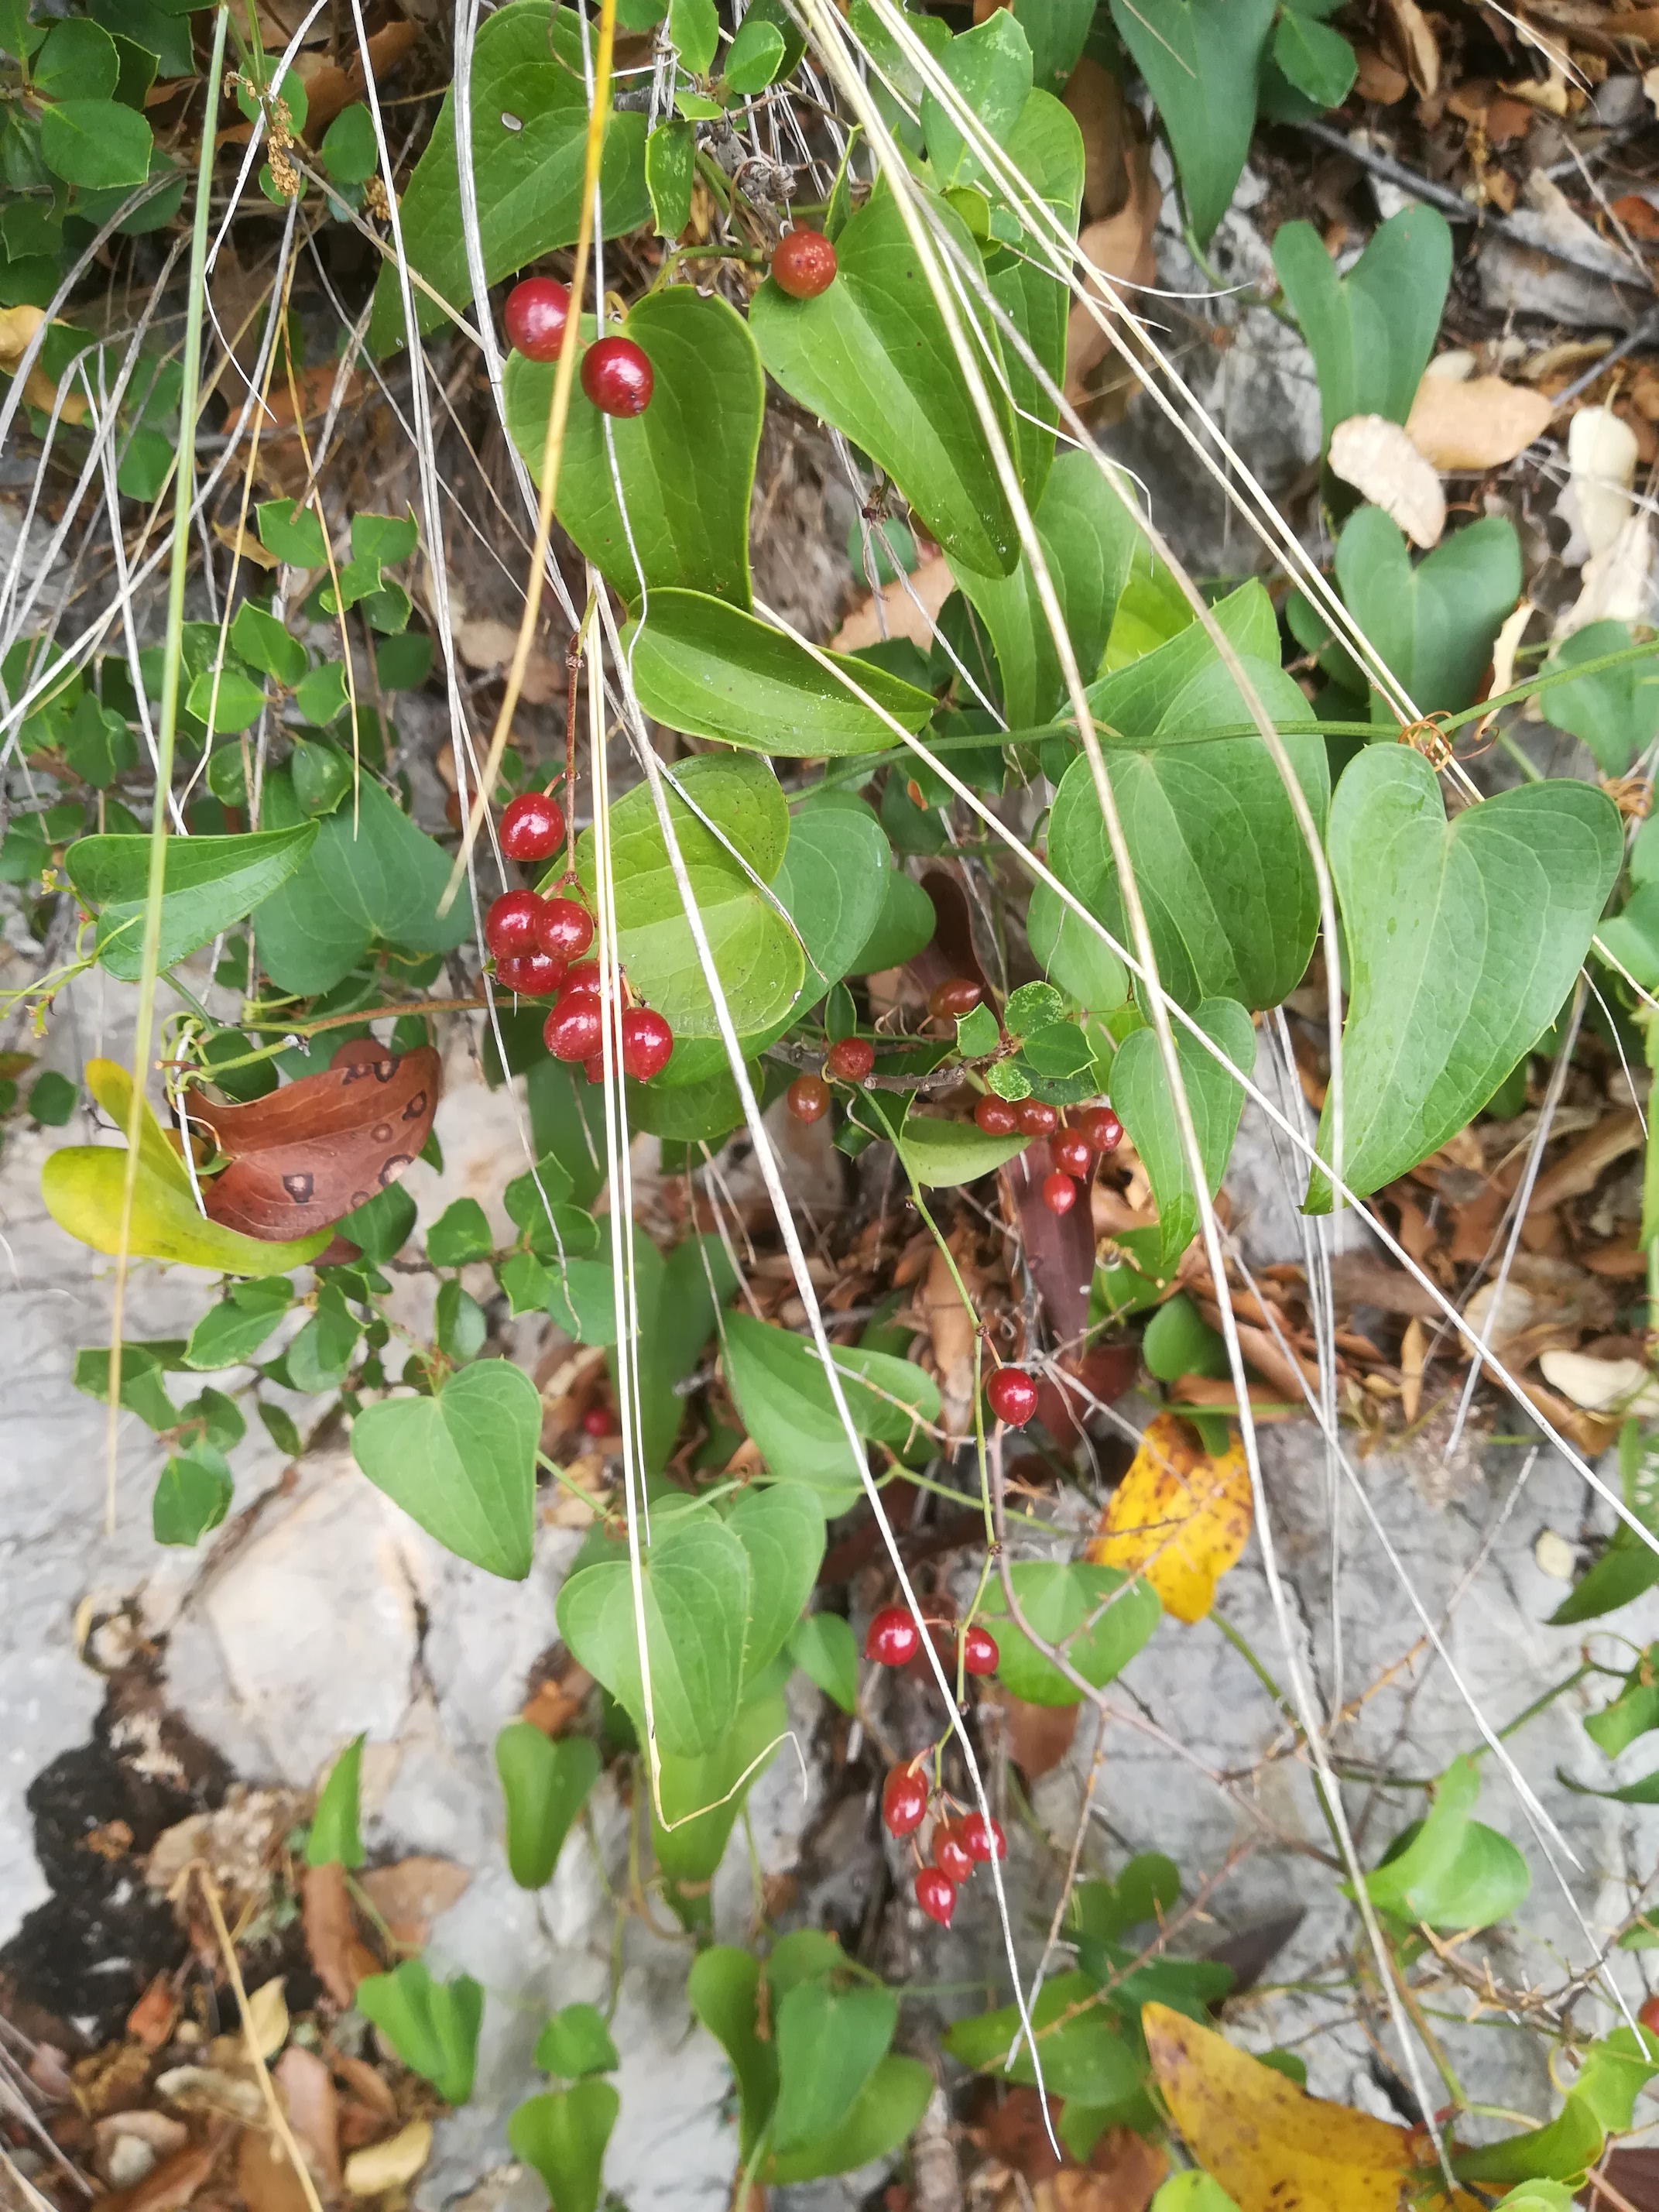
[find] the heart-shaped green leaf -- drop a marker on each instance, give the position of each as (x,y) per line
(834,881)
(990,67)
(1073,955)
(781,1529)
(1201,60)
(755,954)
(1140,1093)
(714,672)
(783,1395)
(1463,938)
(686,464)
(208,884)
(1224,871)
(1095,1615)
(675,1299)
(872,356)
(1434,624)
(462,1463)
(830,2041)
(1046,147)
(1370,331)
(888,2108)
(544,1785)
(823,1645)
(432,2026)
(334,1840)
(1448,1869)
(529,139)
(562,2135)
(1616,713)
(939,1152)
(83,1185)
(703,1797)
(696,1580)
(1317,60)
(1088,538)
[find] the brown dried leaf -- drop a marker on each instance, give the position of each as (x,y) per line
(1379,459)
(338,1953)
(1411,43)
(369,2087)
(265,2175)
(1475,422)
(150,2021)
(930,583)
(170,2185)
(1119,247)
(1110,134)
(950,1331)
(17,328)
(410,1895)
(1037,1736)
(1378,79)
(1613,1136)
(307,2088)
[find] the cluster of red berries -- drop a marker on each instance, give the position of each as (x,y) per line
(616,374)
(894,1639)
(1071,1150)
(538,943)
(849,1060)
(958,1846)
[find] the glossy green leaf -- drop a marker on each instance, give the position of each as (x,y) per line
(989,67)
(461,1232)
(1448,1869)
(529,137)
(462,1463)
(755,57)
(1140,1093)
(905,924)
(1222,867)
(783,1395)
(144,1391)
(1615,713)
(671,166)
(1095,1615)
(1180,1342)
(1057,31)
(1318,61)
(938,1153)
(574,2043)
(696,1590)
(267,644)
(348,149)
(227,702)
(703,1794)
(887,2111)
(830,2042)
(834,883)
(1370,331)
(1088,2057)
(544,1785)
(686,464)
(1601,2102)
(1088,537)
(755,951)
(1463,938)
(823,1647)
(75,61)
(1629,1715)
(694,28)
(432,2026)
(717,671)
(781,1528)
(208,884)
(322,1351)
(675,1299)
(82,1186)
(334,1840)
(292,533)
(460,1325)
(1073,955)
(1434,624)
(192,1495)
(1201,59)
(724,1988)
(370,875)
(94,144)
(872,356)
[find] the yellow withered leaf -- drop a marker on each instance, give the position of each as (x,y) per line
(1179,1517)
(1271,2146)
(17,328)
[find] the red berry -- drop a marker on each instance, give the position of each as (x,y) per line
(616,377)
(904,1802)
(1012,1395)
(804,264)
(647,1043)
(583,976)
(1103,1129)
(593,1068)
(983,1842)
(951,1854)
(1648,2016)
(1070,1150)
(1059,1193)
(957,996)
(532,826)
(510,923)
(532,974)
(1036,1119)
(979,1655)
(808,1098)
(537,312)
(849,1060)
(573,1029)
(936,1894)
(567,929)
(995,1116)
(595,1421)
(893,1638)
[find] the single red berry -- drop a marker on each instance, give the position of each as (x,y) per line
(979,1655)
(1103,1129)
(1036,1119)
(1012,1395)
(957,995)
(510,923)
(893,1638)
(804,264)
(849,1060)
(597,1420)
(936,1894)
(616,377)
(647,1043)
(593,1068)
(984,1843)
(532,974)
(567,929)
(574,1028)
(951,1854)
(1059,1193)
(532,826)
(904,1802)
(537,312)
(995,1116)
(1070,1150)
(583,976)
(808,1098)
(1647,2014)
